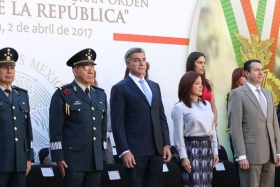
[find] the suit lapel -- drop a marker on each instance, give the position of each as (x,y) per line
(4,97)
(253,98)
(153,89)
(79,92)
(16,97)
(132,84)
(93,95)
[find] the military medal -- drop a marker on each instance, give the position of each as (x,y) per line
(67,106)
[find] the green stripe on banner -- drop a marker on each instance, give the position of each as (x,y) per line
(232,27)
(260,15)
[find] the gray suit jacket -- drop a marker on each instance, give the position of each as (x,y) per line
(252,134)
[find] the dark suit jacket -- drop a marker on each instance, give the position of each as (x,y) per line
(15,131)
(78,138)
(136,125)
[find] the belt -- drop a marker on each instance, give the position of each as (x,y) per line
(197,138)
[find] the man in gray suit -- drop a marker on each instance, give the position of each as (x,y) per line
(255,130)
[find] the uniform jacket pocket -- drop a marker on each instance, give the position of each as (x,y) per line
(73,144)
(23,111)
(101,106)
(78,113)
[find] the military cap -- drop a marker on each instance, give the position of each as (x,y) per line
(8,56)
(85,56)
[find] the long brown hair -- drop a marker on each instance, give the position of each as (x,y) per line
(236,74)
(185,87)
(190,66)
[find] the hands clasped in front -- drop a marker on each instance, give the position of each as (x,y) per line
(187,165)
(129,161)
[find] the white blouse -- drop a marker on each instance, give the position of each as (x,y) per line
(197,121)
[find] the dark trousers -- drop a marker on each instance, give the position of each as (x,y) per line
(146,173)
(81,179)
(12,179)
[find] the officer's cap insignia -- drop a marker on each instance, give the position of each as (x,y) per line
(83,57)
(8,56)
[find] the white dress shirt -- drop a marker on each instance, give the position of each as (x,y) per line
(7,94)
(197,121)
(136,80)
(83,87)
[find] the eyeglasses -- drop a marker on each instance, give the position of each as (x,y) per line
(87,68)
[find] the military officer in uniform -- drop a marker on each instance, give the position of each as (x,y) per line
(16,152)
(78,125)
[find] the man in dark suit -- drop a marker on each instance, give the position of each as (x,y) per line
(16,152)
(254,130)
(139,124)
(78,125)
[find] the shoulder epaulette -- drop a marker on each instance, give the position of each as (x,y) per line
(18,88)
(95,87)
(64,86)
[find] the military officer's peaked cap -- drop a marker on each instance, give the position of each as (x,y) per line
(85,56)
(8,56)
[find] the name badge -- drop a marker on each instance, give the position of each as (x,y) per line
(77,103)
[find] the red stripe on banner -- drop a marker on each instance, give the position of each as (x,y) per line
(274,34)
(249,16)
(151,39)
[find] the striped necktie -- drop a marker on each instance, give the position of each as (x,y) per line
(262,102)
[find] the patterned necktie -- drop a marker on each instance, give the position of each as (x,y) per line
(262,102)
(146,91)
(87,92)
(9,94)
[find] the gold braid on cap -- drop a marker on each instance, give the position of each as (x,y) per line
(81,61)
(7,60)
